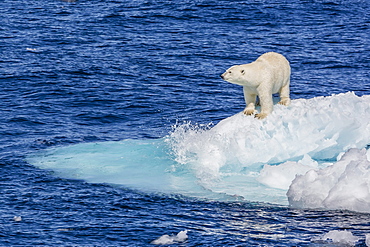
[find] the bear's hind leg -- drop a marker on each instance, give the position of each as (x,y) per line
(284,95)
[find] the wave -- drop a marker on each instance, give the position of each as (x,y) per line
(240,158)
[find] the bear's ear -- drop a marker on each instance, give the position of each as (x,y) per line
(242,71)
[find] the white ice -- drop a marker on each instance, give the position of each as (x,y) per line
(241,153)
(281,176)
(17,218)
(343,238)
(166,239)
(343,185)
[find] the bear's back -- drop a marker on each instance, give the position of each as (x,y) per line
(277,64)
(274,59)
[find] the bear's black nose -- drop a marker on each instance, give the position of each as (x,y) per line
(222,76)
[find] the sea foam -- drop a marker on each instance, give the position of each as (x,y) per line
(241,158)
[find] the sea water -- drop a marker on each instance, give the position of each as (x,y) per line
(117,130)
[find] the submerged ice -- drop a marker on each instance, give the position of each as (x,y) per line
(242,157)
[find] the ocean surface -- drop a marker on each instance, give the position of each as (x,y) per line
(117,130)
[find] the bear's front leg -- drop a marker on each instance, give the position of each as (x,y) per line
(266,101)
(250,100)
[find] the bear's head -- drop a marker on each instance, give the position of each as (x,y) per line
(235,75)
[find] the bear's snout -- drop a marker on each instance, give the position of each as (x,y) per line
(223,76)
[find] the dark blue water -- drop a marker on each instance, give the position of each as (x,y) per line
(92,71)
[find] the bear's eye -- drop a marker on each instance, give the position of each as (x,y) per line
(242,71)
(229,72)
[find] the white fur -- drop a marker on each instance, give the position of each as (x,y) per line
(269,74)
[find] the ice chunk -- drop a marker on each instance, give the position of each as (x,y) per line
(166,239)
(367,241)
(341,237)
(344,185)
(281,176)
(17,218)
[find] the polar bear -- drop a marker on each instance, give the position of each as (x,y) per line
(269,74)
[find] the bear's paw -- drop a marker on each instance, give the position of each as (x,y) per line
(284,101)
(248,111)
(261,115)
